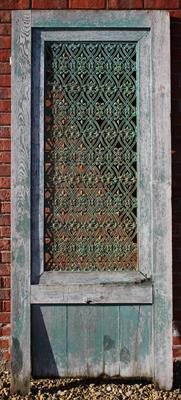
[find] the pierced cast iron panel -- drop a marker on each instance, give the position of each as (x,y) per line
(90,156)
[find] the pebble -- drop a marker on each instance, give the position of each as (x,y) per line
(82,389)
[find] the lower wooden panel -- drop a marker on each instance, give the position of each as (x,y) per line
(92,340)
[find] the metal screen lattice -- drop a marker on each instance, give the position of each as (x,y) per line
(90,156)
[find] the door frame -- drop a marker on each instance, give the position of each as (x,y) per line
(160,287)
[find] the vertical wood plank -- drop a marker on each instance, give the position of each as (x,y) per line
(94,321)
(111,340)
(20,236)
(90,341)
(36,192)
(136,341)
(162,222)
(76,340)
(85,340)
(49,350)
(144,159)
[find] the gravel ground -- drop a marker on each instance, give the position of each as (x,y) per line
(80,389)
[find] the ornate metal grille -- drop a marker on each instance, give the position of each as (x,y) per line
(90,156)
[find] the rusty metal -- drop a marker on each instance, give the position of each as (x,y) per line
(90,156)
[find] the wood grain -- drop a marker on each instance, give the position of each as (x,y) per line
(92,341)
(91,19)
(20,223)
(90,278)
(101,338)
(92,294)
(162,221)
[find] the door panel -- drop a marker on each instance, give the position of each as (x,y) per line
(91,208)
(92,88)
(92,341)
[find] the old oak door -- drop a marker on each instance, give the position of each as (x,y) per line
(91,215)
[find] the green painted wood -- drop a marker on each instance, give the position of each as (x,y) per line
(136,341)
(92,341)
(37,161)
(84,340)
(20,202)
(162,218)
(125,340)
(76,341)
(111,293)
(94,323)
(49,338)
(111,340)
(144,141)
(92,19)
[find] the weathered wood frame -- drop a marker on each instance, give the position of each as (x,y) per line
(70,283)
(159,116)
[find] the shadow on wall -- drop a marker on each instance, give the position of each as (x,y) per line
(176,181)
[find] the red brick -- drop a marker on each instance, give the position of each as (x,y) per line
(4,183)
(5,55)
(50,4)
(161,4)
(5,119)
(5,80)
(5,105)
(5,16)
(5,269)
(5,29)
(4,245)
(5,306)
(5,42)
(177,340)
(4,232)
(5,257)
(4,343)
(125,4)
(94,4)
(5,68)
(5,330)
(6,355)
(175,14)
(5,144)
(4,294)
(177,352)
(4,318)
(5,132)
(5,157)
(6,208)
(4,194)
(14,4)
(5,170)
(5,93)
(5,219)
(5,282)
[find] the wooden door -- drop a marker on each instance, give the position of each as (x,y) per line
(91,235)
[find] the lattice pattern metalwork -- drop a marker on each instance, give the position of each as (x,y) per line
(90,156)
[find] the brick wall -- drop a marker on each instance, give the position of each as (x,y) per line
(5,103)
